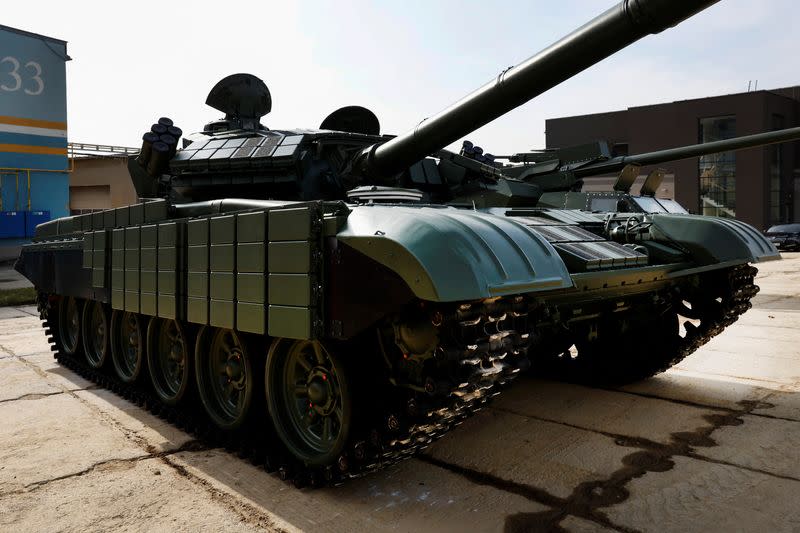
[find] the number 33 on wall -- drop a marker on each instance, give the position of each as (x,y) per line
(34,73)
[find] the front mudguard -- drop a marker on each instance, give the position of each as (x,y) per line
(711,240)
(450,255)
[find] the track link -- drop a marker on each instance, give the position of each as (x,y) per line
(739,288)
(488,362)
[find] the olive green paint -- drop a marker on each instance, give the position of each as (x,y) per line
(290,224)
(251,287)
(251,227)
(99,266)
(251,317)
(222,257)
(198,274)
(292,263)
(291,289)
(197,310)
(122,216)
(109,220)
(290,322)
(222,313)
(136,213)
(251,257)
(88,250)
(292,257)
(118,269)
(97,220)
(223,230)
(155,211)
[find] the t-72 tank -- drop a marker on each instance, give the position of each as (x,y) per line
(363,294)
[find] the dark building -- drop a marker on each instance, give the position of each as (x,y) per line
(760,186)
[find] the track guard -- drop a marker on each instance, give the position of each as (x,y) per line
(449,255)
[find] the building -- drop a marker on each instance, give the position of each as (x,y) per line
(99,177)
(760,186)
(34,182)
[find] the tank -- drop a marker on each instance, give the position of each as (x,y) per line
(559,173)
(330,301)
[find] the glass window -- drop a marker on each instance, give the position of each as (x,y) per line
(606,205)
(717,172)
(776,214)
(649,205)
(672,206)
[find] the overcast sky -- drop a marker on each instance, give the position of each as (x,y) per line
(405,60)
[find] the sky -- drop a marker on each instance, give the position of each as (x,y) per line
(133,62)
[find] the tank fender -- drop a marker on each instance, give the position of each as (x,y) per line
(450,255)
(713,240)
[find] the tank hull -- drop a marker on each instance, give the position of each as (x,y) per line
(435,308)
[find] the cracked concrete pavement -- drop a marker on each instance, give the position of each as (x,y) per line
(710,445)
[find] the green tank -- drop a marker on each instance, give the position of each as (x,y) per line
(360,294)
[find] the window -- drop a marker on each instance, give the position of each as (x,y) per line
(672,206)
(776,211)
(717,172)
(620,149)
(604,204)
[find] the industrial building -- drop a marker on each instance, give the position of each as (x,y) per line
(34,181)
(760,186)
(99,177)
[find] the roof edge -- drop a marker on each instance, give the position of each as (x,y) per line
(35,35)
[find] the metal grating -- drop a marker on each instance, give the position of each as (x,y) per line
(556,234)
(597,255)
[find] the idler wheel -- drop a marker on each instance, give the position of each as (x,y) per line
(309,399)
(168,359)
(95,332)
(225,377)
(127,348)
(69,324)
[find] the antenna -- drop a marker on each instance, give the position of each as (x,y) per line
(749,82)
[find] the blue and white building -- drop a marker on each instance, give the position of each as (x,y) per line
(34,169)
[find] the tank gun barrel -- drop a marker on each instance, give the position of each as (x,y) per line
(687,152)
(618,27)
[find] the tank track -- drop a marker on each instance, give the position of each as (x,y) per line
(488,363)
(739,288)
(616,358)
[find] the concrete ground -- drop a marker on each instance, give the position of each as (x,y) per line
(10,278)
(711,445)
(10,249)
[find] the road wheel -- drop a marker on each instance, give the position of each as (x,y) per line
(95,332)
(168,359)
(127,349)
(69,324)
(225,378)
(309,399)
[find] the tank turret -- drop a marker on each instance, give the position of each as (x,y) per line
(347,151)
